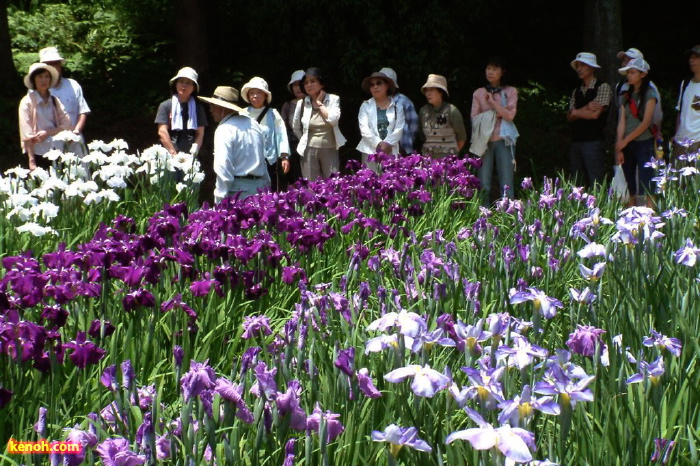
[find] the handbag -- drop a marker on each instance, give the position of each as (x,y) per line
(619,184)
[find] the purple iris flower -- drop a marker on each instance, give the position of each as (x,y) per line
(128,375)
(254,326)
(429,339)
(593,274)
(199,378)
(178,354)
(522,353)
(585,340)
(592,249)
(84,351)
(652,371)
(265,381)
(399,437)
(366,385)
(96,328)
(83,437)
(520,409)
(426,381)
(115,452)
(290,403)
(662,342)
(40,426)
(333,425)
(234,393)
(163,447)
(570,391)
(485,385)
(345,361)
(138,298)
(584,296)
(688,254)
(289,448)
(541,302)
(472,335)
(515,443)
(109,378)
(662,450)
(146,395)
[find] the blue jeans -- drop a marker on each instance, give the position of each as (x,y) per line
(637,153)
(505,166)
(588,157)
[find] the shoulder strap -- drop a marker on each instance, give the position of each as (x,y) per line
(684,86)
(262,115)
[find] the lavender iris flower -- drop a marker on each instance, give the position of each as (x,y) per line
(515,443)
(570,391)
(345,361)
(542,303)
(399,437)
(662,342)
(289,452)
(127,374)
(178,354)
(254,326)
(234,393)
(265,381)
(40,426)
(485,385)
(109,378)
(662,450)
(593,274)
(688,254)
(163,447)
(520,409)
(115,452)
(522,353)
(426,381)
(592,249)
(333,425)
(652,371)
(409,323)
(290,403)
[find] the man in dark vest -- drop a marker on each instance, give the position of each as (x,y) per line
(587,113)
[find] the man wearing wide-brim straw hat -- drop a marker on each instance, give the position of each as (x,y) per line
(239,148)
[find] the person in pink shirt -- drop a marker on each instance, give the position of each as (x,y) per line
(493,109)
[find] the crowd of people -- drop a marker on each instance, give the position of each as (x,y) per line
(258,147)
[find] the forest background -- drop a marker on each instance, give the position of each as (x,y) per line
(123,52)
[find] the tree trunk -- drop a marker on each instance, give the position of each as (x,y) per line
(603,35)
(10,84)
(191,36)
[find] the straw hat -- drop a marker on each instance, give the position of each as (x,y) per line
(638,63)
(49,54)
(224,96)
(390,82)
(586,58)
(437,81)
(298,75)
(256,83)
(40,66)
(188,73)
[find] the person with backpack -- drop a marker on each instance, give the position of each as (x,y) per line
(257,93)
(635,132)
(588,109)
(687,138)
(619,89)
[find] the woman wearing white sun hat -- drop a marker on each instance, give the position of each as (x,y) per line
(181,119)
(257,93)
(41,116)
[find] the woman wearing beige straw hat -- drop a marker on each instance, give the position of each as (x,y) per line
(41,116)
(441,125)
(381,120)
(257,93)
(181,119)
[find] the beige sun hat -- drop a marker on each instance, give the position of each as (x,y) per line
(586,58)
(298,75)
(392,75)
(224,96)
(49,54)
(256,83)
(437,81)
(188,73)
(390,82)
(40,66)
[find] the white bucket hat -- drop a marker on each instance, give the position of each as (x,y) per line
(256,83)
(49,54)
(298,75)
(188,73)
(632,53)
(437,81)
(224,96)
(391,74)
(638,63)
(586,58)
(40,66)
